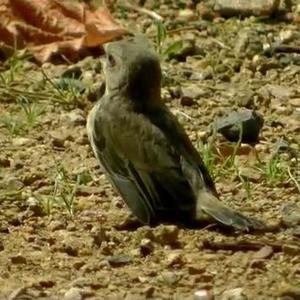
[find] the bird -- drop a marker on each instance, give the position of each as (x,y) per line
(145,152)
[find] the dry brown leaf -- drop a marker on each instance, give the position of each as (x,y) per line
(48,27)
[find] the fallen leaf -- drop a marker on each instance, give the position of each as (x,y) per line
(49,27)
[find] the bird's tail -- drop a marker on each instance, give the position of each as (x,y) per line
(213,207)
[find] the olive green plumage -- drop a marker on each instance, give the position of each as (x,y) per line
(144,151)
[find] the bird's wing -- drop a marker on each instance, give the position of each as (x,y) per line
(142,165)
(199,178)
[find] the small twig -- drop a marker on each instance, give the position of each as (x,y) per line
(222,45)
(286,49)
(293,179)
(142,10)
(178,112)
(243,245)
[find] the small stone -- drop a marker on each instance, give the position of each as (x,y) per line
(73,294)
(233,294)
(119,260)
(58,140)
(146,247)
(193,92)
(4,162)
(18,259)
(149,291)
(79,264)
(229,8)
(187,14)
(244,123)
(76,117)
(99,235)
(248,43)
(186,101)
(280,92)
(132,296)
(295,231)
(203,75)
(70,246)
(244,98)
(250,174)
(174,258)
(258,264)
(195,269)
(295,102)
(21,141)
(169,277)
(263,253)
(290,213)
(204,295)
(47,283)
(288,290)
(11,183)
(166,234)
(34,206)
(291,249)
(57,225)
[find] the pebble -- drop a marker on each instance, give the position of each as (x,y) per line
(21,141)
(174,258)
(250,174)
(203,295)
(193,92)
(76,117)
(295,102)
(99,235)
(233,294)
(58,140)
(119,260)
(248,121)
(166,234)
(57,225)
(290,214)
(195,269)
(263,253)
(34,206)
(4,162)
(187,15)
(280,92)
(18,259)
(73,294)
(170,277)
(146,247)
(288,290)
(258,264)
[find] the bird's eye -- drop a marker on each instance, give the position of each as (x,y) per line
(111,62)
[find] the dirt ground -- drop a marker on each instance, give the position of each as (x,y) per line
(65,234)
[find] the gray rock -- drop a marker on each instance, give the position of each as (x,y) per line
(245,124)
(290,213)
(119,260)
(229,8)
(279,91)
(76,117)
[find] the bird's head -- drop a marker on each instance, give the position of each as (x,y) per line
(132,68)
